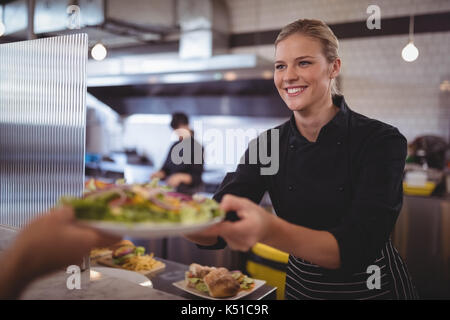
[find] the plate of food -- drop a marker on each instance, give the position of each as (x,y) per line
(125,255)
(217,283)
(97,273)
(143,211)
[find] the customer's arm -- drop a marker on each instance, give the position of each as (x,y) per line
(48,243)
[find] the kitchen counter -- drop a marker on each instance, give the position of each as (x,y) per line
(100,287)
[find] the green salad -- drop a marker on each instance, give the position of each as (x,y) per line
(142,203)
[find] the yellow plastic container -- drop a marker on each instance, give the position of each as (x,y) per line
(425,190)
(268,264)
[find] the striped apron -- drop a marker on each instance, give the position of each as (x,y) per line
(305,280)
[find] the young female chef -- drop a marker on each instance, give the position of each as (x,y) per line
(338,190)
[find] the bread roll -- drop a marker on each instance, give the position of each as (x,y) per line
(221,284)
(199,271)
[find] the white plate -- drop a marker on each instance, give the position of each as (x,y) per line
(121,274)
(182,285)
(148,230)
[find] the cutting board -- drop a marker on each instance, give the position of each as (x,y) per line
(108,261)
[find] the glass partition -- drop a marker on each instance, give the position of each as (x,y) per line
(42,124)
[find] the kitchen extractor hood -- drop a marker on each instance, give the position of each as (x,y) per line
(169,68)
(202,54)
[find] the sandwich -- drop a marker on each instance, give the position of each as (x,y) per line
(125,250)
(217,282)
(221,284)
(100,252)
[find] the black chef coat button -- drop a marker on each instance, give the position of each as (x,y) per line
(339,143)
(290,188)
(292,147)
(341,189)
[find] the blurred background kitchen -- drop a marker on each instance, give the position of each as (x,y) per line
(212,59)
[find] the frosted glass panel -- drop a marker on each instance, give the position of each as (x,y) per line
(42,124)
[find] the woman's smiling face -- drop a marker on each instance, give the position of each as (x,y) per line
(302,73)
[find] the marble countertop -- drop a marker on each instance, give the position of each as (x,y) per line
(100,287)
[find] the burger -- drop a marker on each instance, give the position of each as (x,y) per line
(124,250)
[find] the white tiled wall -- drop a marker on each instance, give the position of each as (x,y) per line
(251,15)
(376,81)
(379,83)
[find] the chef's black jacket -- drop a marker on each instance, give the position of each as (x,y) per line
(348,182)
(193,165)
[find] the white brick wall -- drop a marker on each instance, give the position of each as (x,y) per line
(251,15)
(376,81)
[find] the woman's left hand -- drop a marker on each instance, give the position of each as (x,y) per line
(252,227)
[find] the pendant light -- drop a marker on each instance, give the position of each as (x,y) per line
(410,51)
(99,51)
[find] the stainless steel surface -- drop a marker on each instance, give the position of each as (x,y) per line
(204,28)
(7,236)
(148,69)
(422,237)
(56,15)
(42,124)
(203,48)
(15,16)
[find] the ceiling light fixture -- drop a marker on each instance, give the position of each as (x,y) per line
(410,51)
(99,52)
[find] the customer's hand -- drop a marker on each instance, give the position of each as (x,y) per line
(252,227)
(178,178)
(55,240)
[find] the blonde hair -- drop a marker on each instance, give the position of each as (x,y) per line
(318,30)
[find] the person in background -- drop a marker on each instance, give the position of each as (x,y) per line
(183,171)
(50,242)
(338,191)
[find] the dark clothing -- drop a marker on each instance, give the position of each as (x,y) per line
(348,182)
(185,156)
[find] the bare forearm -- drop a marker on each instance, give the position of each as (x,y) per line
(318,247)
(202,240)
(12,282)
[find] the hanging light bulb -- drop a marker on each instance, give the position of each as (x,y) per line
(99,52)
(410,51)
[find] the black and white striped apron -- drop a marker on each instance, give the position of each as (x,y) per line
(309,281)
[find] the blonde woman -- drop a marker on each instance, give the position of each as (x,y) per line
(338,190)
